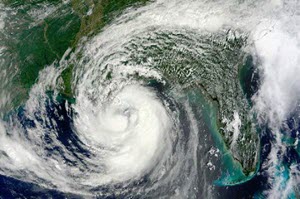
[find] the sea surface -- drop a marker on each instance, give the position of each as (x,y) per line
(150,99)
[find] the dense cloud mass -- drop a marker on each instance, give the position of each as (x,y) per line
(143,120)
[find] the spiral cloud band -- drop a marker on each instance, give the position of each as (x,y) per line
(154,91)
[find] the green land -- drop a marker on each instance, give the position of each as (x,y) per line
(34,44)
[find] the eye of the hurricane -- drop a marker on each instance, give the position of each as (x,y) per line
(130,131)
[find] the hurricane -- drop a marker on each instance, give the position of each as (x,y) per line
(149,99)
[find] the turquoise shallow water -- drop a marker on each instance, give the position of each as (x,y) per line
(149,99)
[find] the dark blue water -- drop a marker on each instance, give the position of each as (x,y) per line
(57,109)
